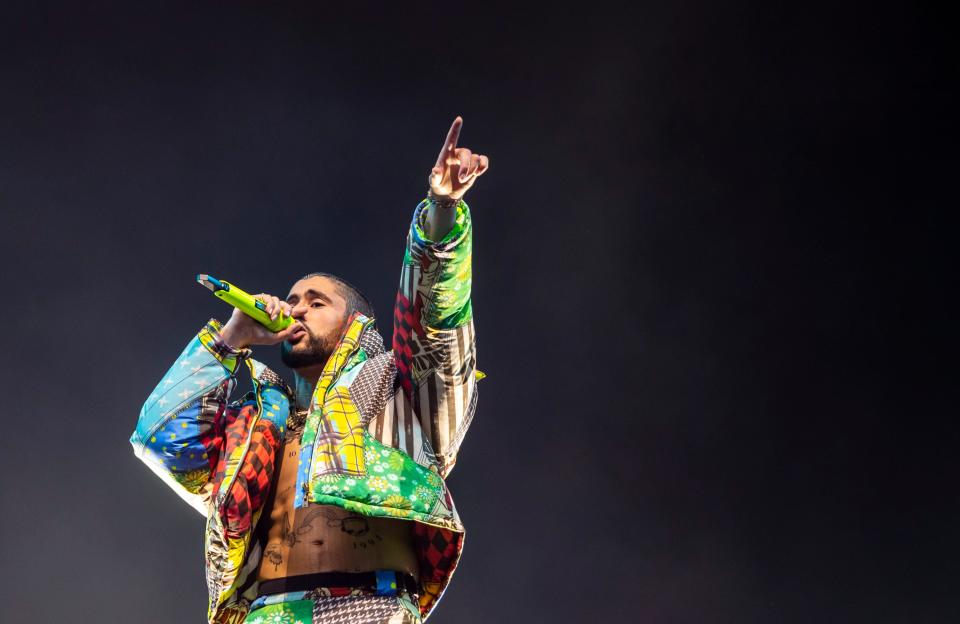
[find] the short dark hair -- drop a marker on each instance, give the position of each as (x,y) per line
(356,300)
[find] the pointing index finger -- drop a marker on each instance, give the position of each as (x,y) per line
(451,143)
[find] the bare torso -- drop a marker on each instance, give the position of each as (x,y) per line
(325,538)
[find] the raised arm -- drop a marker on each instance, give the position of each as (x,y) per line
(433,339)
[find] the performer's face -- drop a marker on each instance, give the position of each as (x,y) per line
(319,307)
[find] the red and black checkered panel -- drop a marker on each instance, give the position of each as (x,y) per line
(232,435)
(251,487)
(214,439)
(437,550)
(406,323)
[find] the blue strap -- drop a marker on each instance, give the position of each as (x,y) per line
(263,601)
(386,583)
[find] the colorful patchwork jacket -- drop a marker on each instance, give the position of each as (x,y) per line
(383,430)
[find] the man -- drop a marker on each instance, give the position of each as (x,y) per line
(326,502)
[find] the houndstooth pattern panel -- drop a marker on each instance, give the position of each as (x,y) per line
(372,342)
(359,610)
(373,386)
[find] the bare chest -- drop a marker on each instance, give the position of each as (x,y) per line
(325,538)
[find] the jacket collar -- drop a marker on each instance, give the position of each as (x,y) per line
(360,332)
(360,335)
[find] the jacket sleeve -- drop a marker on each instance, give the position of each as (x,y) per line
(179,434)
(433,337)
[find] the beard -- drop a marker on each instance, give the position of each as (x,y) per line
(312,350)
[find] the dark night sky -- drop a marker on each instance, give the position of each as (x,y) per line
(710,281)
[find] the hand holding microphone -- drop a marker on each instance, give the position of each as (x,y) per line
(242,331)
(256,320)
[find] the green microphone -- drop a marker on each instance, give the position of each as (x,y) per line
(245,302)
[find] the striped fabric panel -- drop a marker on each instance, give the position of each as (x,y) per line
(400,428)
(445,394)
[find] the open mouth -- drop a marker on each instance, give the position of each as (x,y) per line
(298,335)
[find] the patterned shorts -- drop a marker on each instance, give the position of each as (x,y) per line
(335,605)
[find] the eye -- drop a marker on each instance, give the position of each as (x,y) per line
(316,304)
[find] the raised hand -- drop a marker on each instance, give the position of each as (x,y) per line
(456,168)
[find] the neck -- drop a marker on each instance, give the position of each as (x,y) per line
(305,381)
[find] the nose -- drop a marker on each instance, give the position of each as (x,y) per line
(298,311)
